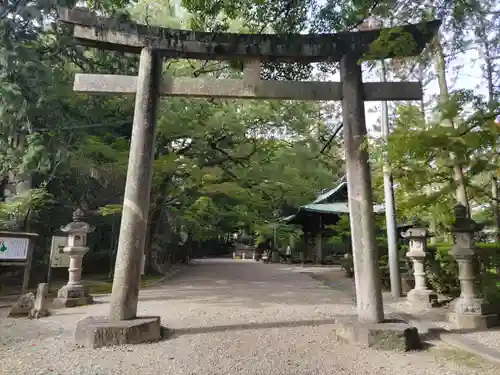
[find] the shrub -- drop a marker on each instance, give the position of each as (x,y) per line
(442,270)
(96,262)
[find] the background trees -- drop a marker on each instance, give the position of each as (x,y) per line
(227,166)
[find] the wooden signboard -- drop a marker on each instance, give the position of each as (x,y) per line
(16,250)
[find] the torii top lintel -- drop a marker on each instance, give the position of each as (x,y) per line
(114,34)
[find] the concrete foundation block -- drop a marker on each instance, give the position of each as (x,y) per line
(389,335)
(473,321)
(96,331)
(72,296)
(422,299)
(407,284)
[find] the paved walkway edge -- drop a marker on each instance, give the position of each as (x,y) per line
(174,271)
(454,339)
(470,346)
(168,275)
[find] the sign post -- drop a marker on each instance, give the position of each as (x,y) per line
(57,256)
(16,250)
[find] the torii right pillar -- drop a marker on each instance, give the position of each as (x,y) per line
(368,328)
(362,220)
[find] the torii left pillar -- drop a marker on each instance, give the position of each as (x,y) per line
(123,326)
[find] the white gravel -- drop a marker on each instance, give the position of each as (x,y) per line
(230,317)
(491,339)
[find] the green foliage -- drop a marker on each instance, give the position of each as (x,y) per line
(419,156)
(442,270)
(391,42)
(19,208)
(220,166)
(110,209)
(285,235)
(341,232)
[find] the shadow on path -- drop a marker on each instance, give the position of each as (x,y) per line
(173,333)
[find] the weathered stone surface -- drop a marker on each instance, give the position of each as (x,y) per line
(470,310)
(116,34)
(389,335)
(23,305)
(74,293)
(361,216)
(422,299)
(236,88)
(72,296)
(96,332)
(407,284)
(40,308)
(125,292)
(473,321)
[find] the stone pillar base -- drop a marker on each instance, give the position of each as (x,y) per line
(72,296)
(96,332)
(422,299)
(473,313)
(275,258)
(389,335)
(407,284)
(473,321)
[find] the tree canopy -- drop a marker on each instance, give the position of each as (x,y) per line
(224,166)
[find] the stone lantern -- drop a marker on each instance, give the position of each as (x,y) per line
(420,296)
(74,293)
(470,311)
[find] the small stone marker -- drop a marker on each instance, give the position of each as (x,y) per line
(23,306)
(40,308)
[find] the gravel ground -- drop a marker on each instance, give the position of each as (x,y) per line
(491,339)
(229,317)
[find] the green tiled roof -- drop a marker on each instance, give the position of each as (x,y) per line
(331,202)
(336,208)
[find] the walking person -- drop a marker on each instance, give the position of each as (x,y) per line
(270,250)
(288,254)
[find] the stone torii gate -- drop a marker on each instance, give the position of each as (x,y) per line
(155,43)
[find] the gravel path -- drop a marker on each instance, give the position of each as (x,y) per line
(229,317)
(490,338)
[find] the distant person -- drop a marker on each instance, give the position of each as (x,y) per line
(259,251)
(270,250)
(288,254)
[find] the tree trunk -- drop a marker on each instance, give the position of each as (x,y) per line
(150,234)
(152,226)
(458,174)
(496,205)
(489,71)
(113,247)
